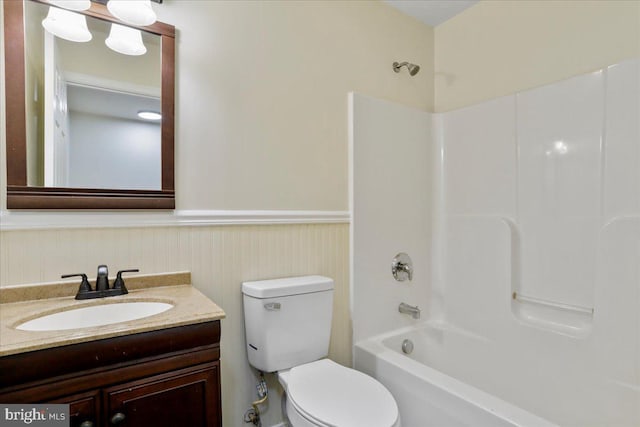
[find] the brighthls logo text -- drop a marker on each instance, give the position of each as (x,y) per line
(30,415)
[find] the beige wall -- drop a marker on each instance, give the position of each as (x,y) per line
(497,48)
(262,95)
(34,106)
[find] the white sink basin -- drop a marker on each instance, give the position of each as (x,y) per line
(95,315)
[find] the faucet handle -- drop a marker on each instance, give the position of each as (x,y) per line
(402,267)
(119,282)
(102,278)
(85,286)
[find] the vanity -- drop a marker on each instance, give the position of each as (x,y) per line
(158,370)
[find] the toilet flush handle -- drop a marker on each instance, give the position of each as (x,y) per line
(272,306)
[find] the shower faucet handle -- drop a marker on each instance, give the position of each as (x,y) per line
(402,267)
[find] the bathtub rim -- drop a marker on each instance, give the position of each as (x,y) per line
(472,395)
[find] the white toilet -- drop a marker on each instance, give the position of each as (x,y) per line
(288,325)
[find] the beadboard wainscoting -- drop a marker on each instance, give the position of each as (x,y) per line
(220,258)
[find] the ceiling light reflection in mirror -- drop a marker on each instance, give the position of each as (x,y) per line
(149,115)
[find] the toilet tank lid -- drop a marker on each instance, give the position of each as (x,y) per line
(287,286)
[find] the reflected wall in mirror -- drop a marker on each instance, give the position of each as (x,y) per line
(77,139)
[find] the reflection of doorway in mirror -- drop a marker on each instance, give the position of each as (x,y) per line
(56,134)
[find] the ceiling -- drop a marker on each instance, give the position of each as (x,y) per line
(431,12)
(110,103)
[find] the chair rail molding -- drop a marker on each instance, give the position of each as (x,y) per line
(32,220)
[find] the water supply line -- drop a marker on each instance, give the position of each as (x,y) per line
(263,393)
(253,414)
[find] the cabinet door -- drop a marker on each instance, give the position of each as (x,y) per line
(186,398)
(83,408)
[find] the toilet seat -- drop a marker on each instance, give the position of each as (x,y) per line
(328,394)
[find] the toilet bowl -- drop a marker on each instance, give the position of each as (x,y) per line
(288,326)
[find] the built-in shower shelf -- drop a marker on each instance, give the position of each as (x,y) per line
(554,304)
(567,319)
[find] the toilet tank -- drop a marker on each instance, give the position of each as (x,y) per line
(287,321)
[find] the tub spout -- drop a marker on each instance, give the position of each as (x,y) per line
(414,311)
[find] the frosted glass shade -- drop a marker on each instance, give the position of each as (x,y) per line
(133,12)
(72,4)
(67,25)
(125,40)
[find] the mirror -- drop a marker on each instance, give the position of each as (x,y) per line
(75,139)
(82,103)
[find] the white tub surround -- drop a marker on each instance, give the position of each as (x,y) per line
(390,149)
(534,293)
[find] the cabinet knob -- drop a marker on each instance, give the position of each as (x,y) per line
(117,418)
(87,424)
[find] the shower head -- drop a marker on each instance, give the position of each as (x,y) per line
(413,68)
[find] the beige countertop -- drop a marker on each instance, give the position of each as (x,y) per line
(22,303)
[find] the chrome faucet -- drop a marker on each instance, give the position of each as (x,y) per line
(402,267)
(414,311)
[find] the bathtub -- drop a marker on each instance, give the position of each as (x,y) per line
(426,395)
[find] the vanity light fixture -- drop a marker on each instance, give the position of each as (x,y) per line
(125,40)
(72,4)
(67,25)
(149,115)
(133,12)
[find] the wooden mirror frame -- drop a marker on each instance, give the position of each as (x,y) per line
(22,196)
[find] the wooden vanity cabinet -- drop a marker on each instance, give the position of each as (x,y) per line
(168,377)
